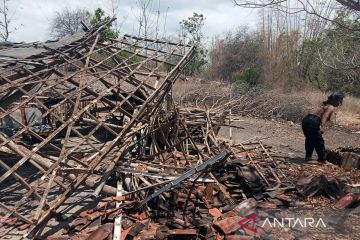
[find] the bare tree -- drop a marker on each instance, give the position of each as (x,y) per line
(6,19)
(307,6)
(351,4)
(341,49)
(311,40)
(113,8)
(151,22)
(165,19)
(68,21)
(145,18)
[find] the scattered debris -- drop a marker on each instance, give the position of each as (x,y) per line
(321,184)
(346,157)
(347,200)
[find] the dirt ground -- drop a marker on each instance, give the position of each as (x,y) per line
(286,138)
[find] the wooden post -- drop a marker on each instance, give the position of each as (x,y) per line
(117,222)
(230,129)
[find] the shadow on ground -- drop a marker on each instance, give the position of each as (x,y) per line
(297,160)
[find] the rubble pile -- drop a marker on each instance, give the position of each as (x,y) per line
(346,157)
(187,198)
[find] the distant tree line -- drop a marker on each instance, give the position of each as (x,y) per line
(296,44)
(292,51)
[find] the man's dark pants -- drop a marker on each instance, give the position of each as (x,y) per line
(313,137)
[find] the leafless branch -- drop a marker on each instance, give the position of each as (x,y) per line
(68,21)
(299,6)
(354,5)
(351,4)
(6,20)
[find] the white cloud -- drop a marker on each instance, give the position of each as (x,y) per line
(221,15)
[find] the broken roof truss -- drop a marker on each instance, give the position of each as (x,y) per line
(79,106)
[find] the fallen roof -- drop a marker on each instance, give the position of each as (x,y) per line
(79,83)
(18,51)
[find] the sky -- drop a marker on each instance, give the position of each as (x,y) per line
(33,16)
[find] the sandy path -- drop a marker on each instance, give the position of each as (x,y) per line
(285,138)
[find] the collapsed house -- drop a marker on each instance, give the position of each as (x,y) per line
(84,110)
(73,106)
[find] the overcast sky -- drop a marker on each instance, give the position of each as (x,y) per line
(221,15)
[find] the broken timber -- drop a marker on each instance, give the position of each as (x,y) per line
(95,94)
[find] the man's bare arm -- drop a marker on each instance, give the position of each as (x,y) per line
(326,117)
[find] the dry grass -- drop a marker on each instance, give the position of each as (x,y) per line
(196,92)
(268,104)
